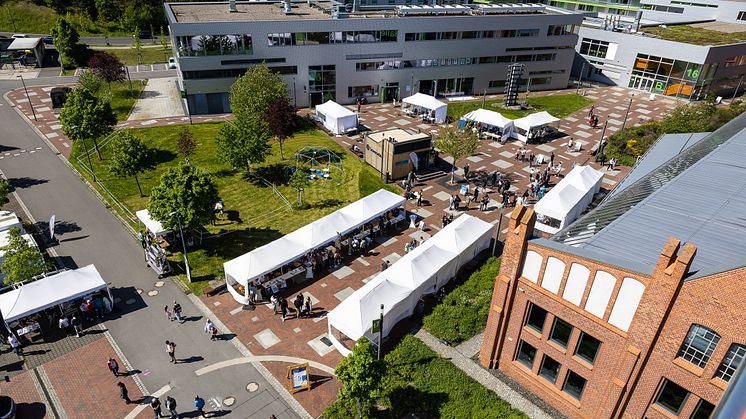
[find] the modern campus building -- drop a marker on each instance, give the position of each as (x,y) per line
(636,310)
(326,52)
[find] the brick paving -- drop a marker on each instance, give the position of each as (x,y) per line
(22,390)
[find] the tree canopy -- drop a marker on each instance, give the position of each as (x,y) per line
(299,181)
(186,143)
(244,143)
(107,67)
(186,190)
(66,39)
(253,93)
(129,156)
(4,191)
(21,260)
(360,374)
(282,119)
(86,116)
(457,143)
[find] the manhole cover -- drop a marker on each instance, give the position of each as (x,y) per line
(229,401)
(159,284)
(325,340)
(252,387)
(130,301)
(153,293)
(139,290)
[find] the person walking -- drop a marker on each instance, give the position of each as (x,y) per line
(466,171)
(156,405)
(551,159)
(123,393)
(283,307)
(209,326)
(169,314)
(419,198)
(199,404)
(113,366)
(77,325)
(171,406)
(590,111)
(14,344)
(213,332)
(141,237)
(171,351)
(298,304)
(308,308)
(177,312)
(64,324)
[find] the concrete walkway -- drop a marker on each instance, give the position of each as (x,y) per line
(483,377)
(159,99)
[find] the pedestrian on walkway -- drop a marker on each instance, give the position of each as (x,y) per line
(141,237)
(208,326)
(298,304)
(308,307)
(177,312)
(551,159)
(171,351)
(169,314)
(14,344)
(113,366)
(419,198)
(123,394)
(65,325)
(77,325)
(283,307)
(199,404)
(156,405)
(590,111)
(466,171)
(171,406)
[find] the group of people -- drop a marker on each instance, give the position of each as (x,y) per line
(303,307)
(592,117)
(170,404)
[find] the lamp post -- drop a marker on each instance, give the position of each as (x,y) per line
(33,112)
(183,245)
(484,97)
(85,149)
(629,105)
(380,333)
(580,79)
(600,150)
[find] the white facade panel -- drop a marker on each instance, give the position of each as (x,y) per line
(598,299)
(532,266)
(577,280)
(553,275)
(626,303)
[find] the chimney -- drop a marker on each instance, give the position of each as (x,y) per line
(232,6)
(287,7)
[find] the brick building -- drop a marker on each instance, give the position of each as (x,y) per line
(637,309)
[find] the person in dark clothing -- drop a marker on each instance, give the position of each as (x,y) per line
(156,405)
(466,172)
(199,404)
(123,394)
(476,195)
(113,366)
(171,406)
(283,307)
(177,312)
(298,304)
(551,159)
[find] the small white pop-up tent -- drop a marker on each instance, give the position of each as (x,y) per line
(567,200)
(526,127)
(437,109)
(53,290)
(154,226)
(336,118)
(488,117)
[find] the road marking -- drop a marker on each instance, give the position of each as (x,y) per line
(262,358)
(137,410)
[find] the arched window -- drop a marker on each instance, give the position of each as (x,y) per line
(699,345)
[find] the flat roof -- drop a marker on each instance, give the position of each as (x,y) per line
(696,35)
(218,12)
(399,135)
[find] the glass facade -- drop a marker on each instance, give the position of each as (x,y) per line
(323,38)
(202,45)
(670,77)
(322,83)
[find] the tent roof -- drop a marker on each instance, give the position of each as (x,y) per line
(584,178)
(561,199)
(486,116)
(420,264)
(425,101)
(363,210)
(461,234)
(154,226)
(537,119)
(23,43)
(5,240)
(50,291)
(9,220)
(334,109)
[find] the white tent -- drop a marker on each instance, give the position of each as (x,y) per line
(154,226)
(533,122)
(53,290)
(9,220)
(336,118)
(488,117)
(399,288)
(293,246)
(567,200)
(438,109)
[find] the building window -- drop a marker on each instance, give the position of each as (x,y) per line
(671,397)
(359,91)
(699,344)
(496,84)
(703,410)
(587,348)
(526,354)
(560,333)
(730,363)
(574,385)
(549,368)
(558,30)
(741,16)
(594,47)
(536,318)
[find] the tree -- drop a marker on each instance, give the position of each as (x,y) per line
(66,40)
(129,156)
(164,44)
(360,374)
(457,143)
(138,45)
(89,81)
(86,116)
(282,119)
(4,191)
(21,260)
(299,181)
(252,94)
(107,67)
(244,143)
(186,143)
(187,191)
(108,10)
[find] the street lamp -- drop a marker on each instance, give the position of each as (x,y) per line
(380,334)
(629,105)
(183,245)
(580,79)
(27,96)
(85,149)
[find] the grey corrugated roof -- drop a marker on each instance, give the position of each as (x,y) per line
(666,147)
(704,205)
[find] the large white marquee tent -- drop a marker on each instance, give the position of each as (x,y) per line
(431,104)
(531,122)
(424,270)
(336,118)
(290,247)
(567,200)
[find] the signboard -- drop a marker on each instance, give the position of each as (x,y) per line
(376,327)
(298,376)
(51,227)
(464,190)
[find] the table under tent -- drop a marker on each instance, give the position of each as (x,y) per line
(490,124)
(567,200)
(431,109)
(336,118)
(535,127)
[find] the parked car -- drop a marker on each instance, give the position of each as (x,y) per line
(144,35)
(7,408)
(19,35)
(172,62)
(47,39)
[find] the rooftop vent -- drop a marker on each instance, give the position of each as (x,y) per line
(287,7)
(232,6)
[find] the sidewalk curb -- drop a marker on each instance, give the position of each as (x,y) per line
(48,390)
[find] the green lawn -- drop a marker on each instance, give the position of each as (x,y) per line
(128,56)
(695,35)
(419,381)
(463,312)
(120,98)
(256,215)
(559,106)
(28,17)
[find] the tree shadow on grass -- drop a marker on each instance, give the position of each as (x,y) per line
(274,173)
(424,404)
(159,156)
(327,203)
(224,173)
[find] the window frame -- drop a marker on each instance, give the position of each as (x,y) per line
(579,344)
(582,389)
(736,350)
(552,337)
(520,351)
(690,352)
(528,318)
(541,368)
(660,393)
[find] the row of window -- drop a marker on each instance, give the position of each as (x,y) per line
(594,47)
(322,38)
(435,36)
(587,347)
(666,9)
(672,398)
(699,345)
(232,72)
(447,62)
(534,81)
(736,61)
(741,16)
(689,3)
(574,383)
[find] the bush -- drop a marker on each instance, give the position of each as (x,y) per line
(463,313)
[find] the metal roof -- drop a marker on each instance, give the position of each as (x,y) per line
(698,196)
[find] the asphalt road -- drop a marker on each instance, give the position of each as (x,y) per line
(99,40)
(93,235)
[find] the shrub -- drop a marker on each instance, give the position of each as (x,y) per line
(463,313)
